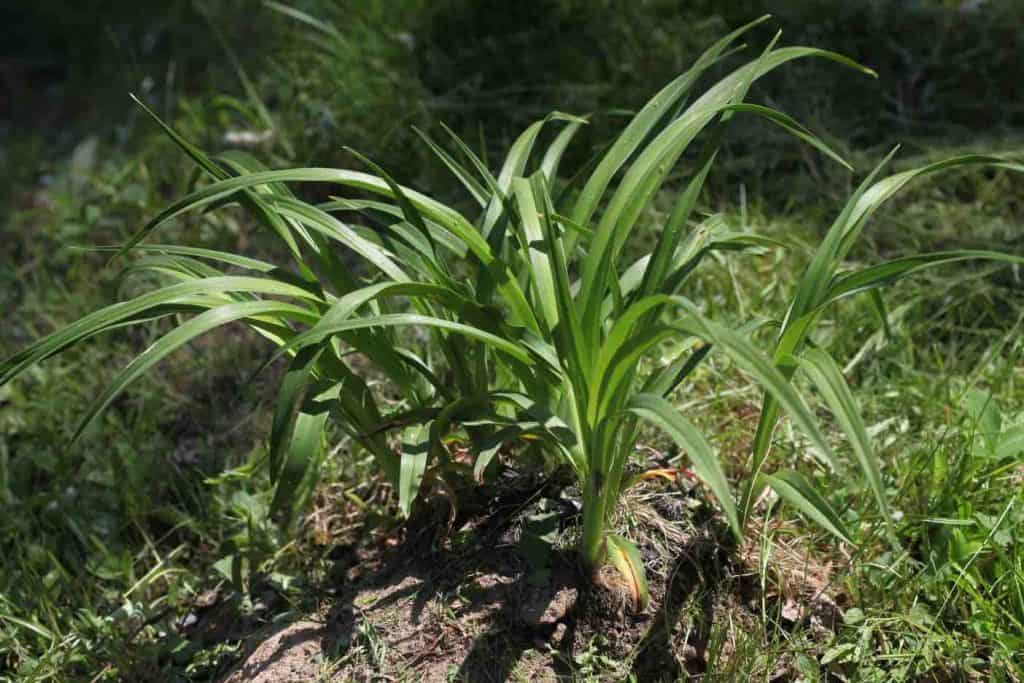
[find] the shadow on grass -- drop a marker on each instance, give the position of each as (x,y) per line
(698,574)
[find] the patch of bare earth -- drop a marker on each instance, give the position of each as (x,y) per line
(467,606)
(288,654)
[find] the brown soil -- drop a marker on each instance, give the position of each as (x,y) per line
(467,606)
(288,654)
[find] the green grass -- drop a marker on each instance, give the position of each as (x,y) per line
(112,541)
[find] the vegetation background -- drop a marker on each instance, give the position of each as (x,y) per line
(106,546)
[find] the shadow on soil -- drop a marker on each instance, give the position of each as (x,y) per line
(468,607)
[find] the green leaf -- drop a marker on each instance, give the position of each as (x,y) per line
(481,168)
(888,272)
(984,411)
(290,398)
(479,193)
(793,488)
(761,368)
(210,254)
(409,211)
(183,293)
(250,198)
(1011,444)
(33,626)
(331,227)
(368,206)
(568,335)
(300,470)
(410,319)
(515,164)
(542,277)
(356,412)
(646,175)
(553,156)
(661,413)
(828,379)
(620,352)
(175,339)
(813,285)
(345,307)
(415,449)
(430,209)
(642,124)
(616,380)
(793,127)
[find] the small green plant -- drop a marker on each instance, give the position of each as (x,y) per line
(540,334)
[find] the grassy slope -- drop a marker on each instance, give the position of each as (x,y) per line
(108,546)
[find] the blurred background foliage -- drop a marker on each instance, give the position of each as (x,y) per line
(947,71)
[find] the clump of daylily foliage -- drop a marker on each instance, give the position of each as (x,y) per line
(540,332)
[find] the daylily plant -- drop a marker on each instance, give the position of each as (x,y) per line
(540,333)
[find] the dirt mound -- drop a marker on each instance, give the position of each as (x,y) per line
(473,606)
(291,654)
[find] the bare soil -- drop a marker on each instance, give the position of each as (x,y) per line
(466,605)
